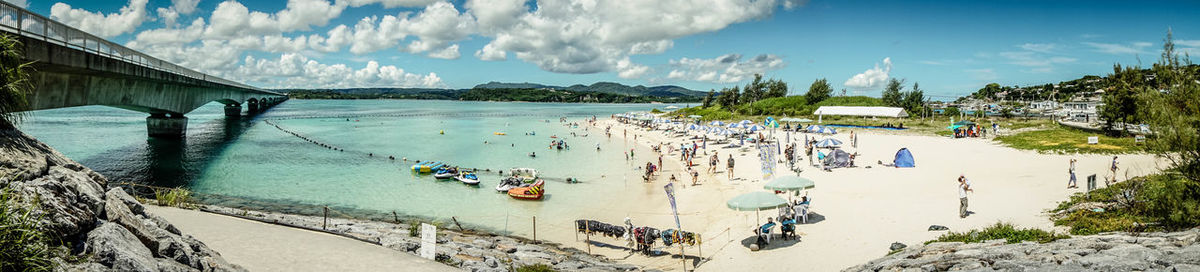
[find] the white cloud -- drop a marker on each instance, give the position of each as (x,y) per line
(1032,59)
(172,36)
(232,19)
(436,27)
(1039,47)
(728,68)
(389,3)
(871,78)
(185,7)
(104,25)
(19,3)
(594,36)
(489,52)
(169,16)
(297,71)
(1119,49)
(450,52)
(628,69)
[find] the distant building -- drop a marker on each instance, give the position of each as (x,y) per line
(1086,111)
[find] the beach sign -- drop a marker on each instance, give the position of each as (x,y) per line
(1093,140)
(670,188)
(428,241)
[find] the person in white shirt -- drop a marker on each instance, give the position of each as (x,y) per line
(1071,183)
(964,186)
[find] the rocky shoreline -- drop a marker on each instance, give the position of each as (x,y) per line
(1175,251)
(94,229)
(469,250)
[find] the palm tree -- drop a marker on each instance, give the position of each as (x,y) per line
(14,82)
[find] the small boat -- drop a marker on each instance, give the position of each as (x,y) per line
(468,178)
(534,191)
(446,173)
(499,133)
(520,177)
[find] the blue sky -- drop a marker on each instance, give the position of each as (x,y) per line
(950,47)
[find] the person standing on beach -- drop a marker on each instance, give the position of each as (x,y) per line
(730,163)
(1114,169)
(1071,183)
(964,186)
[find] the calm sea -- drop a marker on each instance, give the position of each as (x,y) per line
(247,160)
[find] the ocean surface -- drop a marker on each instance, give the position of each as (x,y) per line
(250,162)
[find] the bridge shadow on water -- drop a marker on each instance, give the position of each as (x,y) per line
(171,162)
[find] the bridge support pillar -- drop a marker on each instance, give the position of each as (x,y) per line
(254,107)
(233,110)
(160,125)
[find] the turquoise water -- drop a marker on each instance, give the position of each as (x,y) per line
(251,159)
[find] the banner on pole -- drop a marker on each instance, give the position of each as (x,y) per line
(670,188)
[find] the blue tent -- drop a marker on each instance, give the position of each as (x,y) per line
(904,158)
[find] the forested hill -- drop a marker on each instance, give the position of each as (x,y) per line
(1062,91)
(603,87)
(529,95)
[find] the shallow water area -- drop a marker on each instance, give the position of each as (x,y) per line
(251,158)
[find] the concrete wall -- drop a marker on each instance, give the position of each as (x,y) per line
(69,77)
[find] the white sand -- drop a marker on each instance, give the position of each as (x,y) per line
(265,247)
(861,211)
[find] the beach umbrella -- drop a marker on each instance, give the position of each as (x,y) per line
(736,125)
(745,122)
(716,123)
(672,107)
(813,128)
(790,183)
(693,127)
(694,116)
(794,119)
(756,127)
(827,130)
(756,201)
(830,142)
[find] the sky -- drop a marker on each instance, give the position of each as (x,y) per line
(951,48)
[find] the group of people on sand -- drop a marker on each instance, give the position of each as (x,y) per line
(1112,168)
(973,131)
(795,212)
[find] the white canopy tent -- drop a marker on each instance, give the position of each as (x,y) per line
(859,111)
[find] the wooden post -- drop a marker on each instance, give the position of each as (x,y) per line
(535,229)
(326,222)
(588,237)
(460,228)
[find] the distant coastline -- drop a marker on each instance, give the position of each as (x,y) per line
(499,95)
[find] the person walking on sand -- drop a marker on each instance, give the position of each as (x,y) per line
(964,186)
(695,176)
(1071,170)
(730,167)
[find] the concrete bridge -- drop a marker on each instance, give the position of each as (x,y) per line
(73,68)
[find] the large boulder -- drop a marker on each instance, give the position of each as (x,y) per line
(115,247)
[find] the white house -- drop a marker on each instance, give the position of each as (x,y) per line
(1087,111)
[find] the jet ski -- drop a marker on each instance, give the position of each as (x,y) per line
(521,177)
(446,173)
(468,178)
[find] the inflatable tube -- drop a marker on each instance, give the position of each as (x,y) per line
(499,133)
(533,192)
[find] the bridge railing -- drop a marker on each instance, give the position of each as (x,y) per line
(22,22)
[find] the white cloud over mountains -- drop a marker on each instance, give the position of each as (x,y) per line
(729,68)
(562,36)
(873,78)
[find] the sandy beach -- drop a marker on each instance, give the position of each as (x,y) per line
(857,212)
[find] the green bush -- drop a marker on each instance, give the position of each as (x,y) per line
(1004,231)
(534,268)
(176,197)
(1161,202)
(14,82)
(23,247)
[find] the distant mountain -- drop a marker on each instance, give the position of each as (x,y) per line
(524,85)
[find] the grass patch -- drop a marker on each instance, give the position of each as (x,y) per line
(1163,202)
(534,268)
(24,246)
(1004,231)
(176,197)
(1061,139)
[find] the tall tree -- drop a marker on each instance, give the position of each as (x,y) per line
(1121,99)
(753,90)
(776,88)
(14,82)
(914,99)
(891,93)
(708,99)
(818,91)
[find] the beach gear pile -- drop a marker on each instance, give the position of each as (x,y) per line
(674,236)
(597,227)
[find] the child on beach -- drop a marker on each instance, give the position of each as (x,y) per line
(730,167)
(964,186)
(695,176)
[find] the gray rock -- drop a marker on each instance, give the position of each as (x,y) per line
(895,246)
(117,248)
(166,265)
(68,200)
